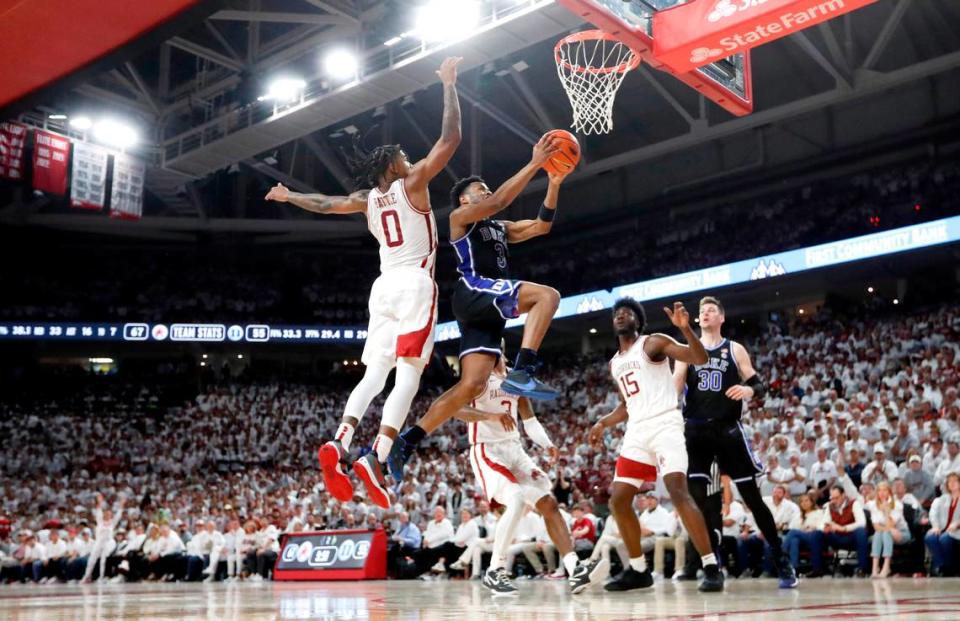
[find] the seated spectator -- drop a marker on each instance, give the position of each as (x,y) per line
(845,527)
(785,513)
(951,464)
(435,549)
(583,530)
(167,560)
(55,557)
(468,533)
(880,469)
(918,482)
(524,542)
(943,538)
(655,522)
(823,475)
(677,541)
(889,526)
(805,531)
(31,567)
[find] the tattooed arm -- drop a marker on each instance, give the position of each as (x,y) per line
(320,203)
(429,167)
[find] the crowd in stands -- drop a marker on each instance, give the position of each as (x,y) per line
(860,432)
(309,286)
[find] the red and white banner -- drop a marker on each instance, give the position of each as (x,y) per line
(13,140)
(126,198)
(50,155)
(698,33)
(88,183)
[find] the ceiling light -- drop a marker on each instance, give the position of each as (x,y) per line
(101,360)
(114,133)
(285,90)
(341,65)
(593,330)
(57,117)
(393,40)
(239,356)
(447,20)
(81,122)
(869,289)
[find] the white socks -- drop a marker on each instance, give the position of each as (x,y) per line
(639,563)
(382,446)
(708,559)
(570,560)
(345,435)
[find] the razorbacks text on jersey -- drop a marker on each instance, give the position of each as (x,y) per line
(646,386)
(482,253)
(407,235)
(493,399)
(707,385)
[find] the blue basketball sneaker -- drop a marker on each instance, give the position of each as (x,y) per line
(522,383)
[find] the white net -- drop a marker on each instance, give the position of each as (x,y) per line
(591,66)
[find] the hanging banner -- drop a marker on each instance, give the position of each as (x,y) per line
(50,154)
(88,183)
(13,140)
(126,199)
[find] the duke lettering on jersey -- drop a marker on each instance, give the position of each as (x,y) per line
(708,383)
(483,252)
(494,400)
(407,236)
(646,386)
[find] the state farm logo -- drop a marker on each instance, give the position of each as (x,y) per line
(726,8)
(700,54)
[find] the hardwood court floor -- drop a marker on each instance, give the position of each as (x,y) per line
(900,599)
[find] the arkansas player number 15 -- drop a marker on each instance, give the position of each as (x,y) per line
(630,385)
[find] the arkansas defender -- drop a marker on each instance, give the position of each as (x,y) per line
(403,301)
(654,437)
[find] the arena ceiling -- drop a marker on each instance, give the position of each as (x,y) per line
(888,69)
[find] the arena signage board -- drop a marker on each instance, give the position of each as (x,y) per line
(333,555)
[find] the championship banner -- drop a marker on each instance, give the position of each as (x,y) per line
(50,154)
(698,33)
(13,139)
(332,555)
(126,199)
(89,180)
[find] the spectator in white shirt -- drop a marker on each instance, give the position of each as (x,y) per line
(610,539)
(880,469)
(55,559)
(890,528)
(868,429)
(951,463)
(805,532)
(468,533)
(524,538)
(32,562)
(943,538)
(214,547)
(796,477)
(823,475)
(167,556)
(655,521)
(78,553)
(438,533)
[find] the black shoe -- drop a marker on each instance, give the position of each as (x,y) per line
(787,574)
(630,579)
(683,576)
(400,453)
(712,580)
(816,573)
(498,581)
(522,383)
(585,575)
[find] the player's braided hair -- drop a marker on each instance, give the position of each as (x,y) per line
(460,187)
(367,167)
(634,306)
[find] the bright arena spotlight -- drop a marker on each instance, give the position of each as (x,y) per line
(341,65)
(285,89)
(115,133)
(81,123)
(447,20)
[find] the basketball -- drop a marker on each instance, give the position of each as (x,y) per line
(568,155)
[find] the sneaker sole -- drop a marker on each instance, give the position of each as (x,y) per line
(377,495)
(517,391)
(338,484)
(790,585)
(599,573)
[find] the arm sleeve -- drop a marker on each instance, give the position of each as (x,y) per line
(537,433)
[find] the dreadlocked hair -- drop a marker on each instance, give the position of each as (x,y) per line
(368,166)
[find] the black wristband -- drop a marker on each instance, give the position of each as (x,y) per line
(759,389)
(546,214)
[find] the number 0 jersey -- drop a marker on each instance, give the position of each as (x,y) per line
(707,385)
(647,387)
(407,235)
(493,399)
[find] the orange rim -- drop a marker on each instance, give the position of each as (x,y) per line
(595,35)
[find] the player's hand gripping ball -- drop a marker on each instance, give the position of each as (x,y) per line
(568,152)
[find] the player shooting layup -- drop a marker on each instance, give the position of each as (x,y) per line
(403,300)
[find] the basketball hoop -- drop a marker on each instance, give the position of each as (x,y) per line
(591,65)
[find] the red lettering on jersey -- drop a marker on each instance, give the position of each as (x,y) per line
(386,200)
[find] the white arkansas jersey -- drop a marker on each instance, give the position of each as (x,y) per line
(647,387)
(494,399)
(407,236)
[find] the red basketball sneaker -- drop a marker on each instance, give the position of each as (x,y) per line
(332,458)
(371,474)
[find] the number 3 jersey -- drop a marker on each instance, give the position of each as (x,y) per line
(707,385)
(407,235)
(494,400)
(647,387)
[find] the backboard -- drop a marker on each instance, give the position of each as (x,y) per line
(727,82)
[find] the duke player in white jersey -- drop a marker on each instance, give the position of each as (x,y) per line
(403,301)
(654,437)
(507,474)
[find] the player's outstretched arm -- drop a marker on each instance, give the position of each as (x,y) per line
(429,167)
(320,203)
(522,230)
(660,346)
(465,215)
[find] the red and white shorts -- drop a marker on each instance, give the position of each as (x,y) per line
(403,315)
(502,468)
(651,446)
